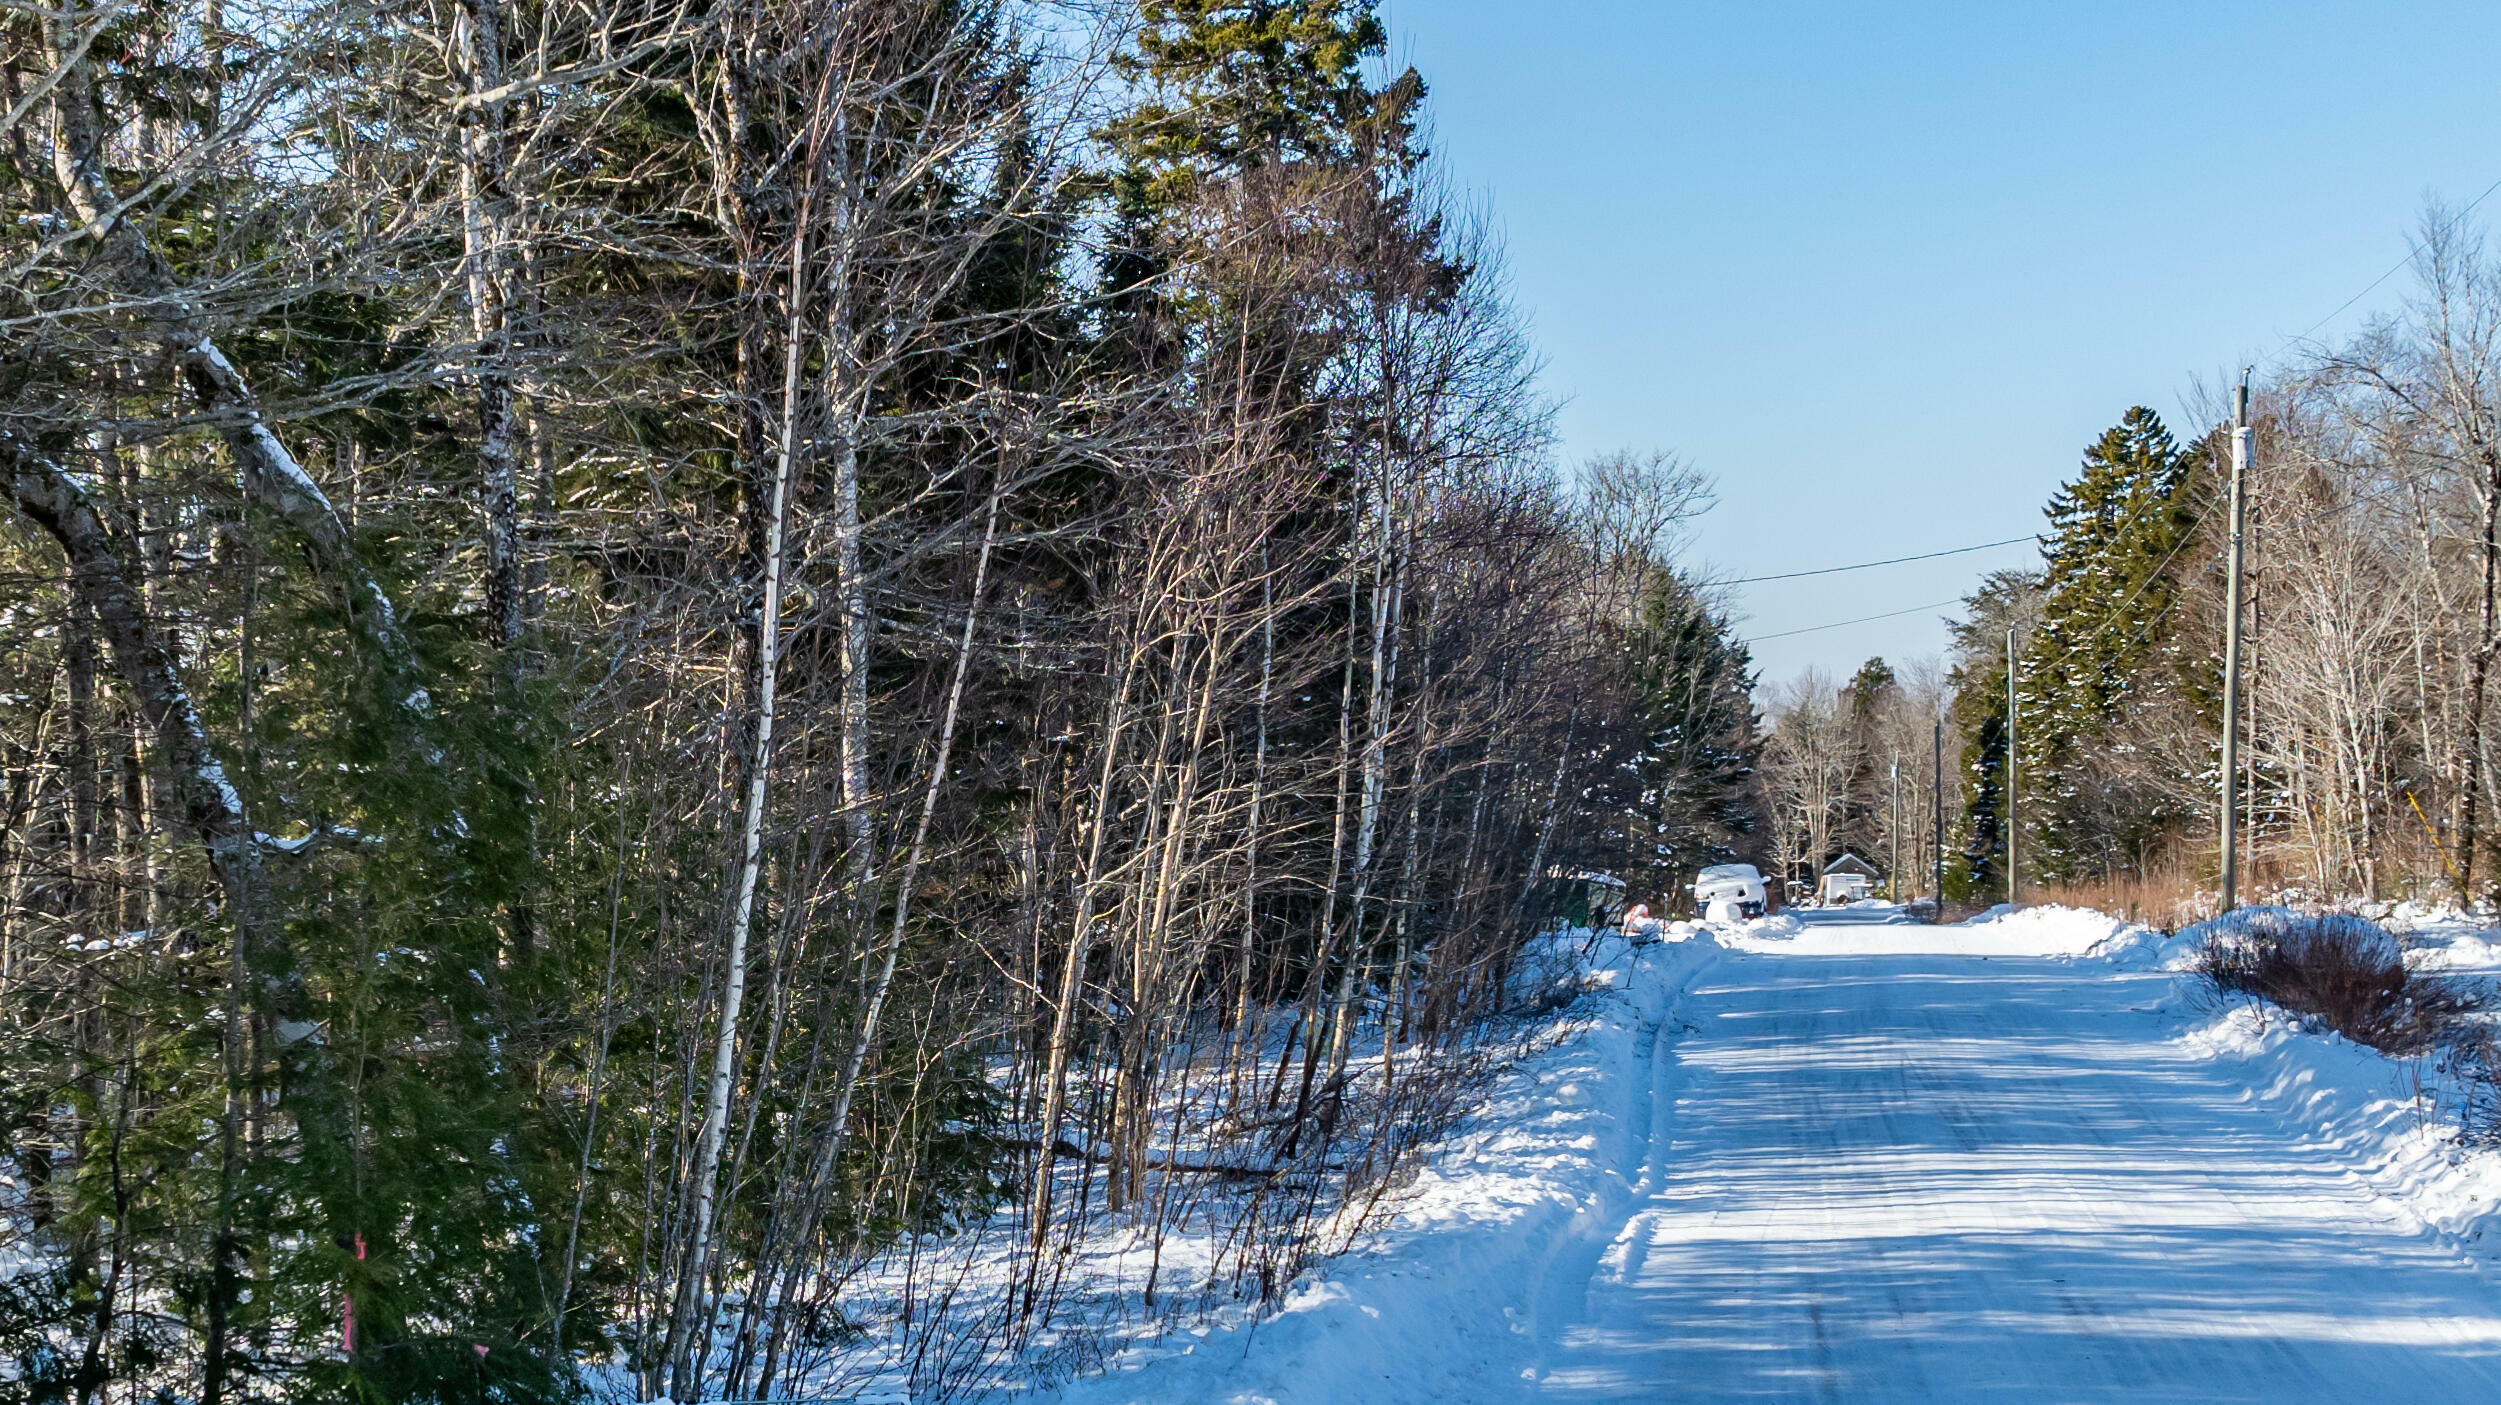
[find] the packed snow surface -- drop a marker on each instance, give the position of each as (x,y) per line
(1835,1157)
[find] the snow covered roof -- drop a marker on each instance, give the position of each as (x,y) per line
(1850,863)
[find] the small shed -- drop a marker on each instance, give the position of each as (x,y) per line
(1847,879)
(1583,898)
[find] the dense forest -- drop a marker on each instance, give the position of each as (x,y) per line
(652,657)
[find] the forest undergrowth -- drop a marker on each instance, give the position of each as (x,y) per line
(687,696)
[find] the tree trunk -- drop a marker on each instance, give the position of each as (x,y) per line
(483,221)
(1072,977)
(864,1039)
(270,473)
(690,1332)
(2478,676)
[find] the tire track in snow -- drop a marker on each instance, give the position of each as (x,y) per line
(1612,1224)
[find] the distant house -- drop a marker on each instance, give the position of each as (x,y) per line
(1847,879)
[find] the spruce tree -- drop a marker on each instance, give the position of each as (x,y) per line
(1240,83)
(2113,570)
(1681,792)
(1863,699)
(1976,872)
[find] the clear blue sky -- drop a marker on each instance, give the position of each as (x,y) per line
(1883,270)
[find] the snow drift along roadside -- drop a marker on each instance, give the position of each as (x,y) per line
(2388,1125)
(1440,1302)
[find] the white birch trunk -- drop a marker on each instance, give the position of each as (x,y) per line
(690,1331)
(1387,602)
(865,1039)
(481,149)
(270,473)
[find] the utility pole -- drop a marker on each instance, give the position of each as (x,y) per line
(1936,801)
(2013,774)
(1893,867)
(2242,438)
(2249,685)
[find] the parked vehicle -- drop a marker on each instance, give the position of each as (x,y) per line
(1729,892)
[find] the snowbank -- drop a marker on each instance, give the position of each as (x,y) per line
(1775,927)
(2465,952)
(1508,1222)
(2049,929)
(1430,1309)
(2390,1124)
(2446,940)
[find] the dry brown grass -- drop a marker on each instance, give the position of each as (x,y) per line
(2169,899)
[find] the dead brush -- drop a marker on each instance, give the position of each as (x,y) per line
(2344,971)
(2474,1060)
(2167,897)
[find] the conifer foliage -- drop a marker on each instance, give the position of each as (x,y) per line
(1680,790)
(2115,565)
(654,662)
(1976,871)
(1242,82)
(1866,699)
(2109,667)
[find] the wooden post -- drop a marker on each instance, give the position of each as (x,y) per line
(2014,830)
(2242,436)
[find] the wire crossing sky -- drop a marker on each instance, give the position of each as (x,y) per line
(1884,271)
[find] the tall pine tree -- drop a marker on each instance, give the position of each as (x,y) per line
(2114,568)
(2005,600)
(1682,792)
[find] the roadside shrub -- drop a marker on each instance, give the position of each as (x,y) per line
(2346,972)
(2474,1059)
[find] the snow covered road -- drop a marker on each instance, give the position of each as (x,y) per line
(1900,1163)
(1901,1168)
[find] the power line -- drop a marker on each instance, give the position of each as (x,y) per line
(1866,565)
(2373,285)
(2187,536)
(1863,619)
(2190,534)
(2357,500)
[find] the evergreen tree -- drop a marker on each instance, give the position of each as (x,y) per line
(1863,700)
(511,464)
(2005,600)
(1683,790)
(1241,83)
(1270,95)
(2113,570)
